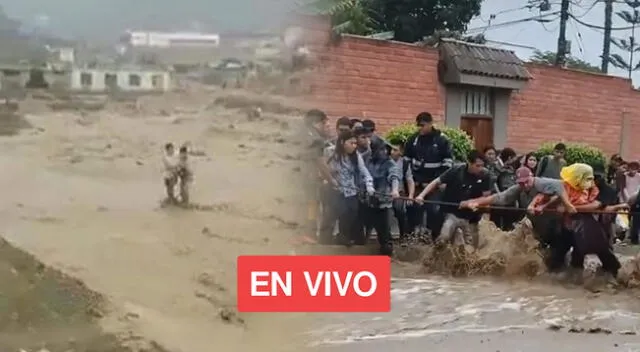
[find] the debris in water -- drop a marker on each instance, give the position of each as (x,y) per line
(500,253)
(599,330)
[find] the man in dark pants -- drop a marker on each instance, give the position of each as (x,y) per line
(429,154)
(464,182)
(635,221)
(407,189)
(548,226)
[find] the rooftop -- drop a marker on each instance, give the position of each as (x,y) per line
(482,60)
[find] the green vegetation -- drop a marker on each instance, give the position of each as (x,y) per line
(460,141)
(576,153)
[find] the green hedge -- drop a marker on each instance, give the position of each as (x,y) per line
(576,153)
(460,141)
(462,144)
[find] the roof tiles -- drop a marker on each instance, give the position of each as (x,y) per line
(475,59)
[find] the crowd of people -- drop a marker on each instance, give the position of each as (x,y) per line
(361,180)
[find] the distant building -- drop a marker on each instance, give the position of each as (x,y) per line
(180,48)
(128,80)
(166,39)
(61,54)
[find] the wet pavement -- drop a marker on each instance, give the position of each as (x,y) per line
(487,315)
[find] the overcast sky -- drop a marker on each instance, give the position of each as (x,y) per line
(586,43)
(94,18)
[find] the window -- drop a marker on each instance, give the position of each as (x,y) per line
(476,101)
(157,81)
(86,79)
(110,80)
(134,80)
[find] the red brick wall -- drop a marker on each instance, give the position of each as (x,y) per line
(391,82)
(561,104)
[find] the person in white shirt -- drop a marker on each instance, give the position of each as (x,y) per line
(170,162)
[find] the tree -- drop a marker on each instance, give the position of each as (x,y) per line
(628,46)
(549,58)
(409,20)
(347,16)
(412,20)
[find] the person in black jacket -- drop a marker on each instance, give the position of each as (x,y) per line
(429,154)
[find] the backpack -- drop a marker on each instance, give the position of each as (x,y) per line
(543,165)
(506,179)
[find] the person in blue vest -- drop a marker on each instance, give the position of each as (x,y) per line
(429,154)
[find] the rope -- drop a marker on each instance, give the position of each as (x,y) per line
(500,207)
(508,208)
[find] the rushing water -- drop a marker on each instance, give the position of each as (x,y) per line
(472,313)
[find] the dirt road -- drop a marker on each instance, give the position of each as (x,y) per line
(83,191)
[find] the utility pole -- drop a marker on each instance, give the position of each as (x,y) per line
(606,44)
(561,52)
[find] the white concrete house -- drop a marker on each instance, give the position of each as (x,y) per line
(128,80)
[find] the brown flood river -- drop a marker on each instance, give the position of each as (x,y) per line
(444,314)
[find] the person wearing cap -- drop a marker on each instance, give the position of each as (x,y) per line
(525,181)
(548,227)
(429,153)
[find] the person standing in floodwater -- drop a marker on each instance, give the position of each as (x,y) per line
(185,174)
(463,182)
(315,139)
(429,154)
(348,171)
(170,173)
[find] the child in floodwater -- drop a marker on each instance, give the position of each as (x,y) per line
(170,162)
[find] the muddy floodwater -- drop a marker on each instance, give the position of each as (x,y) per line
(443,314)
(110,270)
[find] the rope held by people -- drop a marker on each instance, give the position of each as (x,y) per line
(507,208)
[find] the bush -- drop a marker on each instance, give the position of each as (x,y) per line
(461,142)
(576,153)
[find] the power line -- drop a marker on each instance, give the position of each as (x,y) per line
(514,22)
(593,5)
(599,27)
(493,15)
(512,44)
(547,29)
